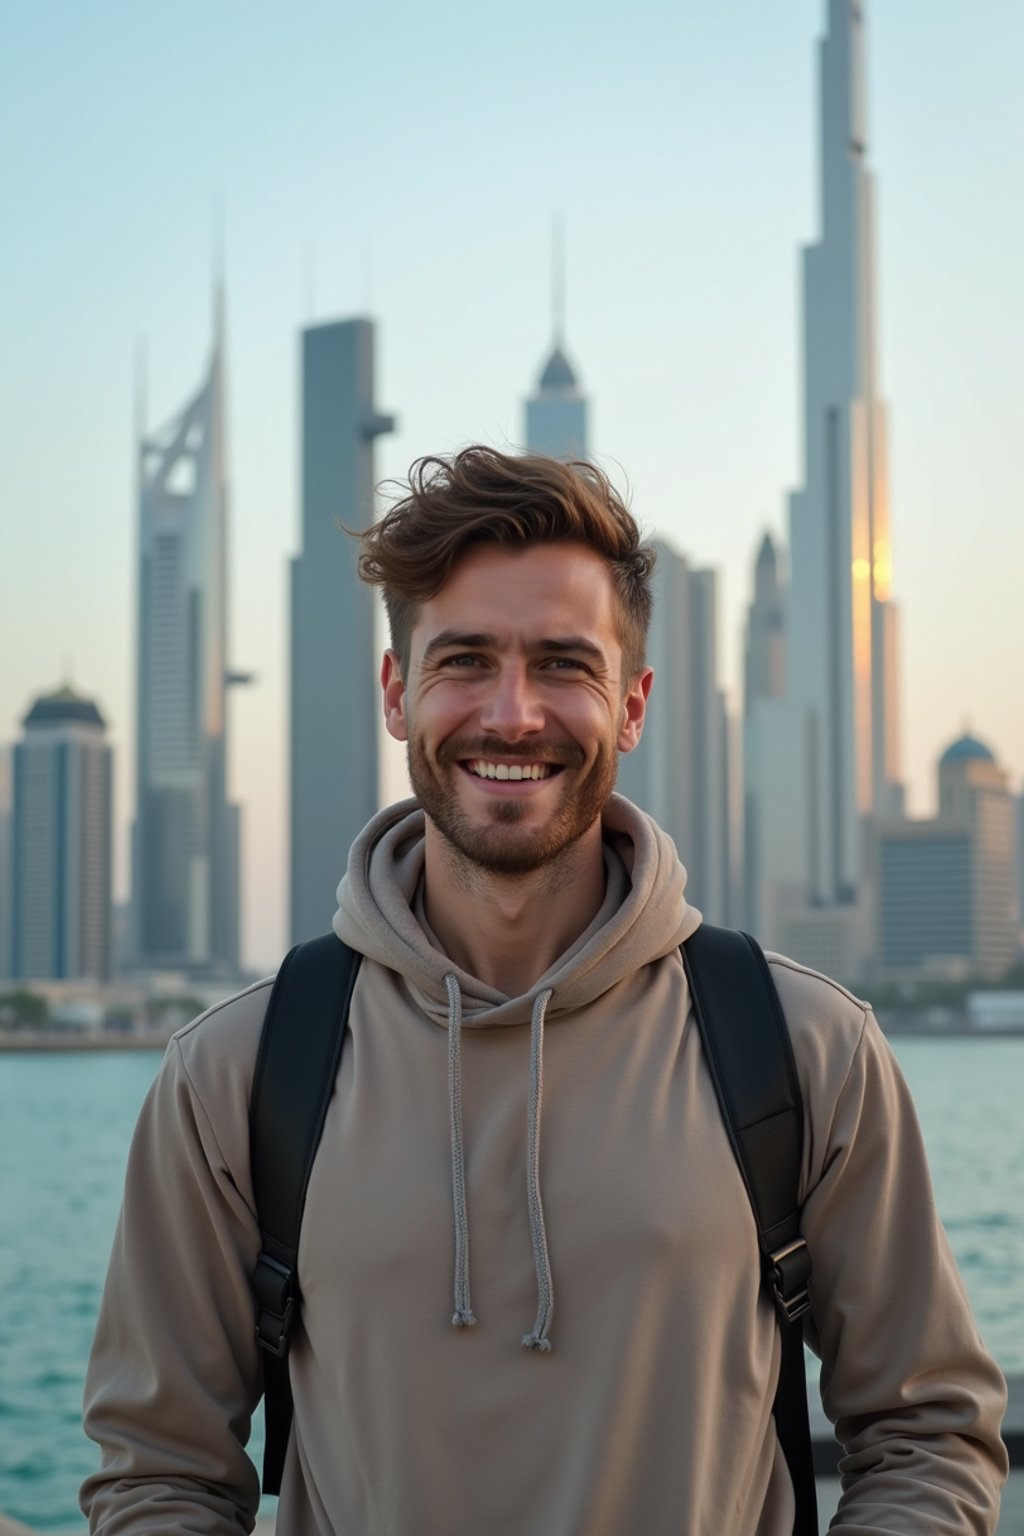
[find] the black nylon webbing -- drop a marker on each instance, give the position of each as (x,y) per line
(296,1067)
(750,1059)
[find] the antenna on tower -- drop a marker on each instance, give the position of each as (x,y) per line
(367,277)
(309,284)
(141,360)
(558,278)
(217,265)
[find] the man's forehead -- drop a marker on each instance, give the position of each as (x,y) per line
(549,573)
(555,592)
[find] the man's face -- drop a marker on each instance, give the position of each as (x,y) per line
(515,707)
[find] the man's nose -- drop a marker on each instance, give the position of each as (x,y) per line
(512,708)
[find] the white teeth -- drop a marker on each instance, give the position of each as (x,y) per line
(514,771)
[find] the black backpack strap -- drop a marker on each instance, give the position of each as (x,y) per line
(750,1058)
(299,1052)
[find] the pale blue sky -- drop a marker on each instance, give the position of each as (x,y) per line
(409,158)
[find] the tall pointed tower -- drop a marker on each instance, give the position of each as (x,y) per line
(842,635)
(185,846)
(764,655)
(556,414)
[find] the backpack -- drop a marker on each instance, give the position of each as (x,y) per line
(747,1047)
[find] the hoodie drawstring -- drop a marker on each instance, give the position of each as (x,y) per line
(463,1316)
(538,1337)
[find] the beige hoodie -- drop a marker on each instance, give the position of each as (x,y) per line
(603,1222)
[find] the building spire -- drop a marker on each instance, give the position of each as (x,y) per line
(309,283)
(366,276)
(140,389)
(217,266)
(558,279)
(556,415)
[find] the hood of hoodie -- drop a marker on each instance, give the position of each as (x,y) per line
(643,917)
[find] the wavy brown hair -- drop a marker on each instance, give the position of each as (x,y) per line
(481,496)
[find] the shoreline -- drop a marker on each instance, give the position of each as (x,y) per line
(57,1040)
(157,1040)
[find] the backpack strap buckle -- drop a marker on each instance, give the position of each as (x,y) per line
(789,1269)
(274,1285)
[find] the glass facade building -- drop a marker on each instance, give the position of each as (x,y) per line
(185,845)
(335,709)
(61,843)
(842,623)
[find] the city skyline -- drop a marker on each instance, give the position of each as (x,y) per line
(681,314)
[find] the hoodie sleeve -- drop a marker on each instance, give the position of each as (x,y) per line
(916,1401)
(174,1376)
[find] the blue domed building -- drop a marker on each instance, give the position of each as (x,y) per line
(966,749)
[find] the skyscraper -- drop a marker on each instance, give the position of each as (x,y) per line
(61,843)
(776,763)
(334,705)
(556,414)
(186,836)
(842,623)
(680,771)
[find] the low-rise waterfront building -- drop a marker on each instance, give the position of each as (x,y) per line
(5,862)
(945,900)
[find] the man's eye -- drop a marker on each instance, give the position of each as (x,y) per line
(466,660)
(565,663)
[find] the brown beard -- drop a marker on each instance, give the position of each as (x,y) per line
(496,847)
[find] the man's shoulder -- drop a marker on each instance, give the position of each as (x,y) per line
(802,989)
(826,1021)
(222,1042)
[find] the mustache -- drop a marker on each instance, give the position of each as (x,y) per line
(561,754)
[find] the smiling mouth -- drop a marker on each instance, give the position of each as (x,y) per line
(483,768)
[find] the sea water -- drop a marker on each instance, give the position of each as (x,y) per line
(66,1119)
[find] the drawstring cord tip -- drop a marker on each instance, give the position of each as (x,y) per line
(463,1320)
(535,1341)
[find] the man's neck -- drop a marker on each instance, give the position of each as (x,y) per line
(507,930)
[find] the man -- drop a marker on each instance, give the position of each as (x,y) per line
(521,926)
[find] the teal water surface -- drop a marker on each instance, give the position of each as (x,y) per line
(65,1124)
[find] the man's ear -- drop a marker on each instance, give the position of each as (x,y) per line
(634,708)
(393,690)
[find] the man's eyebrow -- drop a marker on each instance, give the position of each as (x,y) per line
(560,645)
(574,645)
(458,639)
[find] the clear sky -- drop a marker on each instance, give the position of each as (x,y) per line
(404,160)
